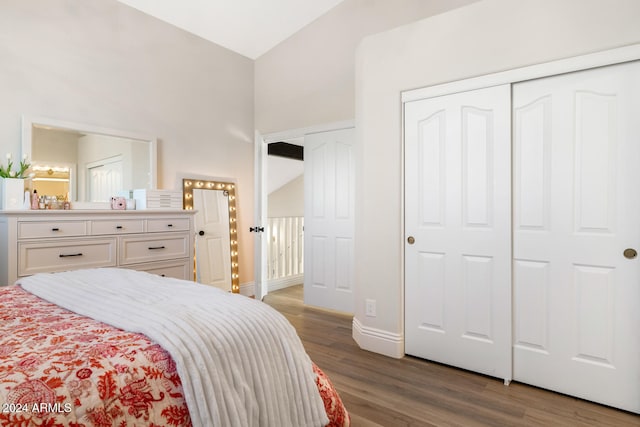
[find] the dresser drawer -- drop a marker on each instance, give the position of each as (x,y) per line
(153,248)
(60,256)
(168,224)
(39,230)
(117,226)
(176,269)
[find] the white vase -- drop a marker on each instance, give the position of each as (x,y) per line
(11,194)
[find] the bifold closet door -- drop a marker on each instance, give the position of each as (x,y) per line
(576,233)
(458,230)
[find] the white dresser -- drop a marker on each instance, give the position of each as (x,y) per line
(157,241)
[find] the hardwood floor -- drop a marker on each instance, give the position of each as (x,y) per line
(381,391)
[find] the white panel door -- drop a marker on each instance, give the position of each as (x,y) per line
(328,219)
(576,210)
(458,210)
(213,249)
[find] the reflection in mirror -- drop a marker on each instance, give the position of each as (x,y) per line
(86,163)
(216,242)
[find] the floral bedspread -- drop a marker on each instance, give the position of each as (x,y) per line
(58,368)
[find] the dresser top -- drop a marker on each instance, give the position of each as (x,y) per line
(88,213)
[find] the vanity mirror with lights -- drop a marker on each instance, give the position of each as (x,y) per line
(216,241)
(85,163)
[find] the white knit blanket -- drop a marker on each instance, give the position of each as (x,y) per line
(241,363)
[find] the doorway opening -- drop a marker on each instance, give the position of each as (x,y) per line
(284,229)
(324,255)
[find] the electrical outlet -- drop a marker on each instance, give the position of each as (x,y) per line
(370,308)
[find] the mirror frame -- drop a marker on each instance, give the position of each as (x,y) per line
(188,185)
(28,122)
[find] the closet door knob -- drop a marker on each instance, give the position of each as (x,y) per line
(630,253)
(411,240)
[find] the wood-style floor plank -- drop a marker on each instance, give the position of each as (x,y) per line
(382,391)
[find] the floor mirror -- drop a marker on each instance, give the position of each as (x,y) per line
(216,242)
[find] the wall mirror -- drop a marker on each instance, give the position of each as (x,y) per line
(216,241)
(86,163)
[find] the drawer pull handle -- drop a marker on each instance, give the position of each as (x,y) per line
(55,229)
(69,255)
(169,225)
(119,227)
(151,248)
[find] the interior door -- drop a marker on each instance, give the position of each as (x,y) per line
(458,230)
(328,219)
(260,218)
(213,250)
(576,211)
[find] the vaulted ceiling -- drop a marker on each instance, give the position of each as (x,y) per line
(248,27)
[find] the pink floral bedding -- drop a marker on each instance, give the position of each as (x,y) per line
(58,368)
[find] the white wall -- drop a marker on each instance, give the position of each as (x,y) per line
(309,79)
(54,146)
(103,63)
(281,170)
(482,38)
(287,200)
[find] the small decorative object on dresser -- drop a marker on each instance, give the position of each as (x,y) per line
(158,199)
(12,194)
(118,203)
(12,185)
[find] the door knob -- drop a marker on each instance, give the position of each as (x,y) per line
(630,253)
(411,240)
(200,233)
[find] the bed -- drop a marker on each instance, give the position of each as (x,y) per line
(115,347)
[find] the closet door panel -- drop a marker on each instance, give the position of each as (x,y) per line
(532,162)
(477,171)
(595,162)
(458,216)
(476,281)
(431,272)
(576,210)
(432,181)
(531,329)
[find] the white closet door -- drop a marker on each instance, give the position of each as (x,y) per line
(458,210)
(328,219)
(576,210)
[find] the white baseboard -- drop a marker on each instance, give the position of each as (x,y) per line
(378,341)
(248,289)
(285,282)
